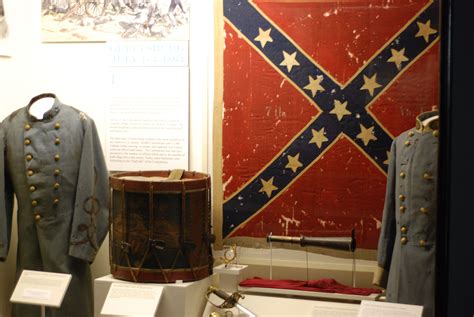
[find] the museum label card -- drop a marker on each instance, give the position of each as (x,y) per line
(148,54)
(132,300)
(332,309)
(384,309)
(148,119)
(41,288)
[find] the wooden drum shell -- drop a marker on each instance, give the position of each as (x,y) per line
(160,229)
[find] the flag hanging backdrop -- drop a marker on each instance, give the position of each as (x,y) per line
(313,94)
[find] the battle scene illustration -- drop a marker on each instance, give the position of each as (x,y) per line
(103,20)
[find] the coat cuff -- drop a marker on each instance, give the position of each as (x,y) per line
(380,277)
(82,252)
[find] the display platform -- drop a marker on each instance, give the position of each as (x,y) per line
(306,294)
(177,300)
(271,306)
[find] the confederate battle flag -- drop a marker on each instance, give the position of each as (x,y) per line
(314,92)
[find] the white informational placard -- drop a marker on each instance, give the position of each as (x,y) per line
(383,309)
(136,300)
(330,309)
(148,54)
(41,288)
(148,115)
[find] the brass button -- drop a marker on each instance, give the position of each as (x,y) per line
(427,176)
(37,217)
(27,127)
(402,175)
(407,143)
(27,141)
(422,243)
(56,201)
(401,197)
(57,171)
(57,157)
(56,186)
(424,210)
(411,133)
(436,133)
(402,209)
(29,157)
(403,229)
(34,203)
(30,173)
(32,188)
(404,240)
(57,125)
(57,141)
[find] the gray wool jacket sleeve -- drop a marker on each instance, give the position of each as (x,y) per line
(90,220)
(4,219)
(388,230)
(6,202)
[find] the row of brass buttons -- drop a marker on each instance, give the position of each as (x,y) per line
(404,239)
(57,171)
(55,186)
(30,172)
(421,243)
(435,133)
(29,157)
(423,210)
(426,176)
(35,203)
(57,141)
(57,125)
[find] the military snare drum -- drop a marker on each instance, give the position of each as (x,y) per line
(160,228)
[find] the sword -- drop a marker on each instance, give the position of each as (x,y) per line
(230,301)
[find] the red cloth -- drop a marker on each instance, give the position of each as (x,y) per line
(327,285)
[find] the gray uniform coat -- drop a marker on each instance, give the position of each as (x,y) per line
(407,244)
(56,169)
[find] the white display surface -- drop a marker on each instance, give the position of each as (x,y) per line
(230,269)
(271,306)
(230,276)
(383,309)
(292,292)
(132,300)
(41,288)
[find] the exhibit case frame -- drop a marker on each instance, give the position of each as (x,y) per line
(455,259)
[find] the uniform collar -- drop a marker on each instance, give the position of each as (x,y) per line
(432,125)
(48,115)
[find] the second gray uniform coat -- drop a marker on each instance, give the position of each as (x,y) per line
(57,171)
(407,244)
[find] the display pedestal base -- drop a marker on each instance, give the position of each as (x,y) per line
(230,276)
(178,299)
